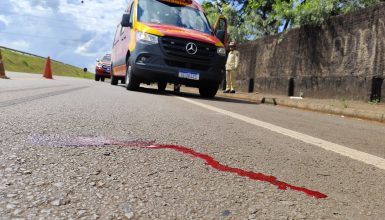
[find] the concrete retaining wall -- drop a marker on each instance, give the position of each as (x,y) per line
(340,59)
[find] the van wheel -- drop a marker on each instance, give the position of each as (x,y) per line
(162,86)
(102,79)
(132,82)
(123,80)
(114,80)
(97,78)
(208,90)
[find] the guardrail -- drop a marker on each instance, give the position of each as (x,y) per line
(29,54)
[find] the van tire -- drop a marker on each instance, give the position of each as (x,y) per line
(97,78)
(132,82)
(114,80)
(102,79)
(162,86)
(208,90)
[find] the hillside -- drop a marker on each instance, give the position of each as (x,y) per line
(19,62)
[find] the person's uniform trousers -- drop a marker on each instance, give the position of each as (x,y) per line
(231,68)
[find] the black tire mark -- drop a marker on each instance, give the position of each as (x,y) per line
(40,96)
(30,89)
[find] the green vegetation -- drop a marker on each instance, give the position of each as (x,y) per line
(344,103)
(17,62)
(251,19)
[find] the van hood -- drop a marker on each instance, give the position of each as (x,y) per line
(173,31)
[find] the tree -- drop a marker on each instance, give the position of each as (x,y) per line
(236,25)
(244,24)
(250,19)
(314,12)
(345,6)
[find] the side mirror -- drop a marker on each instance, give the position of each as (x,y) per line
(126,20)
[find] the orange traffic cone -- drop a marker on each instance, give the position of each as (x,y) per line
(2,69)
(48,70)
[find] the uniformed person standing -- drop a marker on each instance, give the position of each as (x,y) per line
(231,67)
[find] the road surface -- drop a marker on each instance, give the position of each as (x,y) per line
(73,148)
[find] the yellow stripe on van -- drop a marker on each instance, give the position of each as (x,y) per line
(132,44)
(144,28)
(219,44)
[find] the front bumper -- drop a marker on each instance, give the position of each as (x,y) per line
(151,64)
(102,72)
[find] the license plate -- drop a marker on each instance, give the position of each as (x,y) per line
(188,75)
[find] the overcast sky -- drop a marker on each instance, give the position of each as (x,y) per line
(66,30)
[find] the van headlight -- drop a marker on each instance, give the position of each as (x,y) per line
(221,51)
(145,37)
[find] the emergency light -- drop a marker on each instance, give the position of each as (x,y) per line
(178,2)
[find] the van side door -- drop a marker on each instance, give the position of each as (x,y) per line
(126,34)
(121,43)
(220,30)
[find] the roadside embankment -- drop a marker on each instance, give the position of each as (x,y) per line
(16,61)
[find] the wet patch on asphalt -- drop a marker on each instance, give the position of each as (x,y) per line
(83,141)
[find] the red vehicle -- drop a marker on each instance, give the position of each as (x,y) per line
(169,41)
(103,68)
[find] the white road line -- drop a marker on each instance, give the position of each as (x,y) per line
(345,151)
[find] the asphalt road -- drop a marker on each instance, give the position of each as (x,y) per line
(72,148)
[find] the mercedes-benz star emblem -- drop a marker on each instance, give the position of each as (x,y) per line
(191,48)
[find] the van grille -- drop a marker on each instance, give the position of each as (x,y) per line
(176,47)
(106,66)
(187,65)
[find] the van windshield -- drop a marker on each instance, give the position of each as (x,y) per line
(153,11)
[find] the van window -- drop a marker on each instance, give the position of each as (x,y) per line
(121,29)
(116,38)
(132,14)
(153,11)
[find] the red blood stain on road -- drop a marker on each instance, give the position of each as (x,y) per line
(101,141)
(252,175)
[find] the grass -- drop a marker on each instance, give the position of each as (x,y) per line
(17,62)
(344,103)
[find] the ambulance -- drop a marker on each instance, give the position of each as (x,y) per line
(169,41)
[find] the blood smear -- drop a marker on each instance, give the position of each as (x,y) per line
(251,175)
(60,140)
